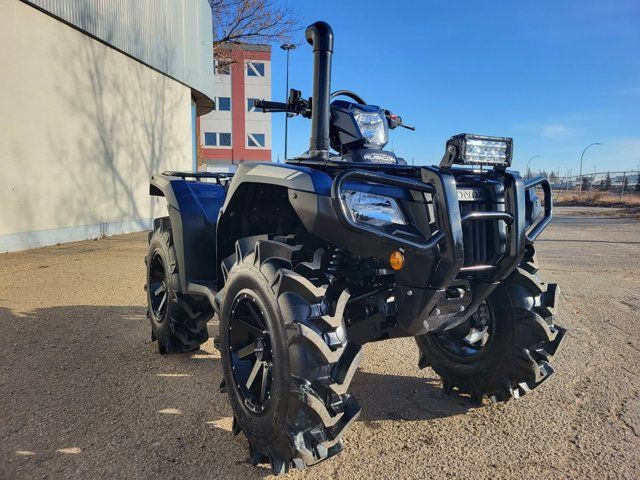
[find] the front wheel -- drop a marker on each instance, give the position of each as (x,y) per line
(503,350)
(285,357)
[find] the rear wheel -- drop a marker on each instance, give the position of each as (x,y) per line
(286,361)
(178,322)
(503,350)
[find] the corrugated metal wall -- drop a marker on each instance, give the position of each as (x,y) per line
(172,36)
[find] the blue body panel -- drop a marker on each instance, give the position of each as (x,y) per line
(193,210)
(196,207)
(199,198)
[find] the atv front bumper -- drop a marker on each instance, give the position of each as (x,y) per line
(436,263)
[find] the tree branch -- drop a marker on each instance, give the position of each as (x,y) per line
(251,21)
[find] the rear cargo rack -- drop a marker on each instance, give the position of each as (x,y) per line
(198,176)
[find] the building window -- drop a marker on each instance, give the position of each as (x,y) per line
(255,140)
(223,104)
(210,139)
(255,69)
(225,139)
(222,67)
(215,139)
(251,104)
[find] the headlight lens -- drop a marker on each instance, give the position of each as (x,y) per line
(373,127)
(372,209)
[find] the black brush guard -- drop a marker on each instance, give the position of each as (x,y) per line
(417,312)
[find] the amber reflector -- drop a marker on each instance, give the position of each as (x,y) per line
(396,260)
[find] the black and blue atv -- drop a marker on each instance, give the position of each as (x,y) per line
(304,262)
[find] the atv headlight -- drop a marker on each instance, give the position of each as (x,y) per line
(372,126)
(467,149)
(372,209)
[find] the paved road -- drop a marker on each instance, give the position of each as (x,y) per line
(83,393)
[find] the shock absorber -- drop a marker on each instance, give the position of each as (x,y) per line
(337,260)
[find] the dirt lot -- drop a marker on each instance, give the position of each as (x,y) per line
(83,393)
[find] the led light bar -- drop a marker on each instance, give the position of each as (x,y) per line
(469,149)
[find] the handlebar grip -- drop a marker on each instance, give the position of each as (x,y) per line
(268,105)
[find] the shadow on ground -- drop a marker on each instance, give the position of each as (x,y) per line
(85,394)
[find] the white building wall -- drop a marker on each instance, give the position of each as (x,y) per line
(172,36)
(82,129)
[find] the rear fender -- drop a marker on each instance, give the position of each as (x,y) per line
(193,211)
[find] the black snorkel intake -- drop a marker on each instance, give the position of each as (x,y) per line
(320,36)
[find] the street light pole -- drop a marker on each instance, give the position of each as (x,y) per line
(288,47)
(529,161)
(581,157)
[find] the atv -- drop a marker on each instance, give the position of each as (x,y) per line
(304,262)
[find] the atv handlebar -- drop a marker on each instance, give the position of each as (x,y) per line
(295,105)
(395,121)
(269,106)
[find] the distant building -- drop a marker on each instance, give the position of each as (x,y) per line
(95,97)
(234,132)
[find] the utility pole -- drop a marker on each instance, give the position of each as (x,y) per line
(581,157)
(566,172)
(288,47)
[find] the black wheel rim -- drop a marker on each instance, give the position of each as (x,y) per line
(471,339)
(250,352)
(157,288)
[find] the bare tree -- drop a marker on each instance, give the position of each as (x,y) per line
(251,21)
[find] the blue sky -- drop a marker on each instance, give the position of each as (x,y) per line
(554,75)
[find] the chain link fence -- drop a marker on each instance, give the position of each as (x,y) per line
(607,187)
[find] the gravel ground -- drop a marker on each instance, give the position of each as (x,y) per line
(83,393)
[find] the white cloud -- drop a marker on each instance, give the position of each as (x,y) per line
(553,131)
(556,131)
